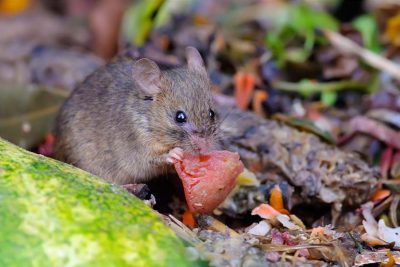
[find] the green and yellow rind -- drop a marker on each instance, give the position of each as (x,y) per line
(53,214)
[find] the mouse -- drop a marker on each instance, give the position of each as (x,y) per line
(130,120)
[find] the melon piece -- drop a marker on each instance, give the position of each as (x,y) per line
(53,214)
(208,179)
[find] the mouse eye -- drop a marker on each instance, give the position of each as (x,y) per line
(211,113)
(180,117)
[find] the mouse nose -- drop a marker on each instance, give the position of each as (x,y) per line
(202,144)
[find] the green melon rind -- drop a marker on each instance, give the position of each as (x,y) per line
(53,214)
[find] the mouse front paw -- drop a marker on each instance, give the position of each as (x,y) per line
(174,155)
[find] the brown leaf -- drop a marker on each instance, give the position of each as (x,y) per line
(105,21)
(376,129)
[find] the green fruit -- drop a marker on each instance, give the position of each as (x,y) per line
(53,214)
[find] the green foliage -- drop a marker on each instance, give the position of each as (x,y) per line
(366,25)
(329,98)
(297,23)
(139,20)
(308,87)
(328,90)
(308,126)
(144,16)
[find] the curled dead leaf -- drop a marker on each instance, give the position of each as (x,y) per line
(376,129)
(244,87)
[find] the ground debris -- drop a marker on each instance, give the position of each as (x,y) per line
(33,51)
(222,246)
(276,152)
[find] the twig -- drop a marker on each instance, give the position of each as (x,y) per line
(375,60)
(307,87)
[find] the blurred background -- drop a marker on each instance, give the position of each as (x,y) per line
(275,57)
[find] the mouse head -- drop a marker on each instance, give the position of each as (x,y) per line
(179,103)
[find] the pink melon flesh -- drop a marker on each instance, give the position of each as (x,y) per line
(208,179)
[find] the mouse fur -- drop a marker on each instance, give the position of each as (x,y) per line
(120,123)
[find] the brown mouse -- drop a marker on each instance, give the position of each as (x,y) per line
(129,120)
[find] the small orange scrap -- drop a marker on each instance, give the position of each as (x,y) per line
(265,211)
(244,87)
(260,97)
(391,261)
(380,194)
(188,219)
(276,200)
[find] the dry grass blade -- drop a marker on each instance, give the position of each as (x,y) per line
(333,253)
(211,223)
(393,210)
(181,230)
(377,61)
(329,251)
(341,257)
(285,248)
(379,209)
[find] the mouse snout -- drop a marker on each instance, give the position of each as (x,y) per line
(201,144)
(200,139)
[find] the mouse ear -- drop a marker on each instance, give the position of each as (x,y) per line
(147,75)
(194,60)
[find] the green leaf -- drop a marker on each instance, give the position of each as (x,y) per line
(276,46)
(144,16)
(138,20)
(366,25)
(170,7)
(298,23)
(308,87)
(297,55)
(305,20)
(306,125)
(375,84)
(329,98)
